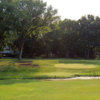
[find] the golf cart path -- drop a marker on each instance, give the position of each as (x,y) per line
(74,78)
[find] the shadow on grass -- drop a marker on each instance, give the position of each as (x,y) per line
(13,81)
(25,80)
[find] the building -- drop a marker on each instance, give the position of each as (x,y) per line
(7,52)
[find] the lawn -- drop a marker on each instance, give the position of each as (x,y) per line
(49,90)
(18,79)
(47,68)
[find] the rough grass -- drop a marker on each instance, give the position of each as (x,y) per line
(47,68)
(49,90)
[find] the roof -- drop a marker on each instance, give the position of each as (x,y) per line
(7,51)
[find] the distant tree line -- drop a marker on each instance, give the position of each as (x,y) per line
(75,39)
(32,29)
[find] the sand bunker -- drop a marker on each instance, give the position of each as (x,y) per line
(74,78)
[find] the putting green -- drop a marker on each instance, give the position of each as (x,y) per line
(75,66)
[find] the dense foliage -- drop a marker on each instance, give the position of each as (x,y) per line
(70,39)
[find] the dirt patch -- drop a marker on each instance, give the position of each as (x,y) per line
(24,62)
(35,65)
(27,64)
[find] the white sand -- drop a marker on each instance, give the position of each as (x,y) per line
(74,78)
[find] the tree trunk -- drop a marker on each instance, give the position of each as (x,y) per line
(21,51)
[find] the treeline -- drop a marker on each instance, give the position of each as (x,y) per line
(32,29)
(70,39)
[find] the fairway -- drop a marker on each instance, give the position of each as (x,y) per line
(18,79)
(47,68)
(49,90)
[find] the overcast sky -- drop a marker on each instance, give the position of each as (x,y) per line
(74,9)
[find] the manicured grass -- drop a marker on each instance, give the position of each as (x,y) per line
(75,66)
(47,68)
(49,90)
(17,86)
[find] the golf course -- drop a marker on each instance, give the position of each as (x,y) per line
(49,49)
(26,79)
(47,68)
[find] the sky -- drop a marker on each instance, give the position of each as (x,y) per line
(74,9)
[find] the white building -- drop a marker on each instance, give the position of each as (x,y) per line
(7,51)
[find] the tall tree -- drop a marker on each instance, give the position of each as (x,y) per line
(69,30)
(32,18)
(7,8)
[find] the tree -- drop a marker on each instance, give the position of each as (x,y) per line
(87,33)
(32,18)
(7,8)
(69,30)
